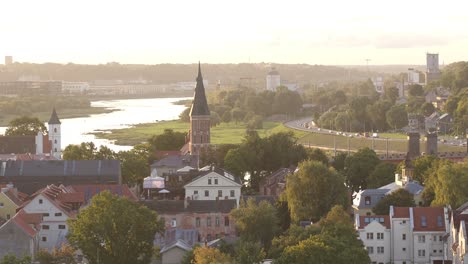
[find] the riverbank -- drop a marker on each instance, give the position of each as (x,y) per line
(225,133)
(62,113)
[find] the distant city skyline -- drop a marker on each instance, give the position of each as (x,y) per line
(152,32)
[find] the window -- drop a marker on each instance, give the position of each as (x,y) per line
(423,221)
(440,223)
(434,251)
(208,221)
(209,181)
(380,250)
(195,192)
(55,149)
(404,262)
(55,130)
(174,222)
(404,249)
(367,200)
(422,239)
(1,204)
(421,253)
(197,222)
(370,250)
(58,214)
(217,221)
(45,214)
(61,226)
(232,193)
(403,222)
(370,235)
(207,193)
(220,193)
(44,239)
(226,221)
(380,236)
(45,227)
(403,236)
(55,141)
(441,238)
(216,180)
(40,201)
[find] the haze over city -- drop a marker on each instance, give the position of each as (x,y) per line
(152,32)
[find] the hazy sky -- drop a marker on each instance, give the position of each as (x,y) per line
(220,31)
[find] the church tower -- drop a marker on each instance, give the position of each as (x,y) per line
(55,135)
(199,118)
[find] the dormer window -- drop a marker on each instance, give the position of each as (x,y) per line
(367,200)
(216,180)
(40,201)
(440,223)
(209,181)
(423,221)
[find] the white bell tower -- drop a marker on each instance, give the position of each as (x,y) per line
(55,135)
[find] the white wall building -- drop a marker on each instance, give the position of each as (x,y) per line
(374,232)
(75,87)
(273,80)
(214,185)
(55,135)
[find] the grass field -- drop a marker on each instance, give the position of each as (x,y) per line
(225,133)
(62,113)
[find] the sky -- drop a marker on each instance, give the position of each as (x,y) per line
(331,32)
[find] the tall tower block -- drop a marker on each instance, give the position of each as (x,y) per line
(199,118)
(55,135)
(432,67)
(273,80)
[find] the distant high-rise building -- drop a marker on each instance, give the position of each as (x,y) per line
(273,80)
(8,60)
(432,67)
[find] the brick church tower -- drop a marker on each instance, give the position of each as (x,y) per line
(199,118)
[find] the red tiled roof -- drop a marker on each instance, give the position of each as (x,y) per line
(370,218)
(92,189)
(13,197)
(400,212)
(77,197)
(24,221)
(429,219)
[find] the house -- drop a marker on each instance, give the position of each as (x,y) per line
(445,123)
(176,243)
(19,235)
(374,232)
(169,164)
(209,217)
(368,199)
(458,238)
(214,184)
(275,183)
(10,200)
(56,206)
(419,234)
(90,190)
(30,176)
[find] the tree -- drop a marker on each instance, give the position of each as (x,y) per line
(291,237)
(376,113)
(391,93)
(400,197)
(215,119)
(248,252)
(314,190)
(427,109)
(317,154)
(169,140)
(208,255)
(65,254)
(116,230)
(286,101)
(397,117)
(383,174)
(25,126)
(237,114)
(313,248)
(226,117)
(415,90)
(449,181)
(134,164)
(422,166)
(12,259)
(256,222)
(358,168)
(185,115)
(84,151)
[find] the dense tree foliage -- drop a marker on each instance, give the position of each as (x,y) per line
(25,126)
(12,259)
(400,197)
(115,230)
(65,254)
(256,222)
(314,190)
(27,104)
(422,167)
(397,117)
(455,76)
(457,106)
(358,168)
(209,255)
(383,174)
(292,237)
(169,140)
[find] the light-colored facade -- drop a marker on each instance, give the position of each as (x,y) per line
(9,202)
(374,232)
(214,185)
(273,80)
(75,87)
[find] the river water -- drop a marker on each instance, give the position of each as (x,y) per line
(129,112)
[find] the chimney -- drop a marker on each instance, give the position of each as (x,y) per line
(413,145)
(187,202)
(431,144)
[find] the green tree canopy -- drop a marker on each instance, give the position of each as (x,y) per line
(169,140)
(358,168)
(400,197)
(25,126)
(209,255)
(383,174)
(449,182)
(314,190)
(397,117)
(114,230)
(256,222)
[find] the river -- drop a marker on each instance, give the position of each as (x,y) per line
(128,112)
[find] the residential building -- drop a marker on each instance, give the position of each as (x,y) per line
(273,80)
(90,190)
(30,176)
(458,239)
(209,217)
(170,164)
(214,184)
(374,232)
(75,87)
(176,243)
(10,201)
(19,235)
(275,183)
(431,121)
(416,122)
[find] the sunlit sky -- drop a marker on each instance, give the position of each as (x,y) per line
(333,32)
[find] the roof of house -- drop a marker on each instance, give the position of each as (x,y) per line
(429,219)
(26,222)
(364,220)
(54,120)
(90,190)
(401,212)
(27,156)
(375,196)
(446,115)
(17,144)
(62,168)
(277,176)
(59,197)
(199,104)
(13,196)
(177,161)
(412,187)
(189,236)
(193,206)
(178,243)
(220,172)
